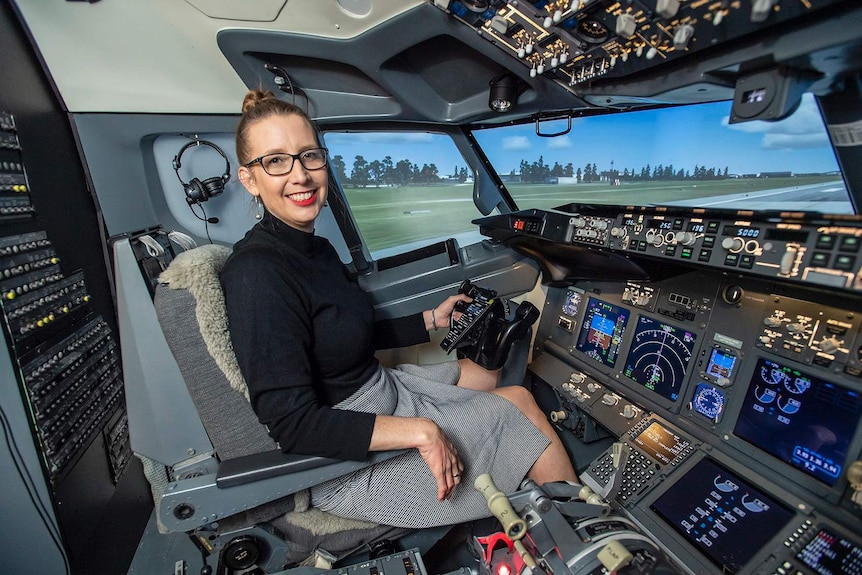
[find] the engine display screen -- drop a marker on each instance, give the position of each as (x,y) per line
(602,331)
(660,443)
(829,554)
(659,356)
(727,519)
(805,421)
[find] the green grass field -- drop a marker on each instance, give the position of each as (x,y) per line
(390,217)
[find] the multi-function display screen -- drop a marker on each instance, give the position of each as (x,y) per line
(602,331)
(829,554)
(660,443)
(805,421)
(721,364)
(727,519)
(659,356)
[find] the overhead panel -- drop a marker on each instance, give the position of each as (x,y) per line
(583,42)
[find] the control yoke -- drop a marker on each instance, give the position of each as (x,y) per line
(484,332)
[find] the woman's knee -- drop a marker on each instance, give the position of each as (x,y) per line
(473,376)
(520,396)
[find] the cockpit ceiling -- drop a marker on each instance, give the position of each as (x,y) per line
(161,56)
(421,61)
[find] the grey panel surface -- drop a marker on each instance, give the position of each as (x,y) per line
(114,149)
(493,266)
(163,423)
(27,534)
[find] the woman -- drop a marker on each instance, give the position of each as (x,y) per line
(305,336)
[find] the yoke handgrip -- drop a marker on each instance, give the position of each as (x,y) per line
(513,526)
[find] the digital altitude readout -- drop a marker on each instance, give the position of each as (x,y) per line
(602,331)
(741,231)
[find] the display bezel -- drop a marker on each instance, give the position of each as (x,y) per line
(631,383)
(586,326)
(768,464)
(757,434)
(684,486)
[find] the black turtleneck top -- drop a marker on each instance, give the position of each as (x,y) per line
(304,336)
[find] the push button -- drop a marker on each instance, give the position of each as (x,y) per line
(849,244)
(820,260)
(825,242)
(844,263)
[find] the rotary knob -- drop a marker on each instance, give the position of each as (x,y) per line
(733,245)
(629,411)
(771,321)
(795,327)
(592,387)
(829,345)
(577,377)
(609,399)
(685,238)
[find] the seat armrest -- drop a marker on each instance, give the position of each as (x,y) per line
(189,503)
(258,466)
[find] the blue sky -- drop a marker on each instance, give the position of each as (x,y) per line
(685,137)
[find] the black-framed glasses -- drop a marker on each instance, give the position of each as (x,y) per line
(281,163)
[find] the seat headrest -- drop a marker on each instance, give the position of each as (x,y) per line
(197,271)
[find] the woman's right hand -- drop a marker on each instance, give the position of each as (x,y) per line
(442,459)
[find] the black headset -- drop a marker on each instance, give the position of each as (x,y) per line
(198,191)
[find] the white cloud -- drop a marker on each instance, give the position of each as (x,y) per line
(559,143)
(516,143)
(381,137)
(802,130)
(794,141)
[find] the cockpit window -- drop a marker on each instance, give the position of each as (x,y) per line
(682,156)
(405,189)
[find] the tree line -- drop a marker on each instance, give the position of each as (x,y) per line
(539,172)
(387,172)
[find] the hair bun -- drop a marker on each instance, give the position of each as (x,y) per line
(255,98)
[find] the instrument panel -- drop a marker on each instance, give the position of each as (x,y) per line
(737,388)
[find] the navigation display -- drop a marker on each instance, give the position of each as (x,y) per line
(805,421)
(602,331)
(659,356)
(727,519)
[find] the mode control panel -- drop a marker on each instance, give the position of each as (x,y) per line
(802,248)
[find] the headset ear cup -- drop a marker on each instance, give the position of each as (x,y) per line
(195,192)
(213,186)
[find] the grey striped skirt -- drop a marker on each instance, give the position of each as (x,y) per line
(490,434)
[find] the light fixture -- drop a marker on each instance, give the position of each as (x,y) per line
(504,92)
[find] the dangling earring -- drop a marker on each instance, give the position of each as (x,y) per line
(259,208)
